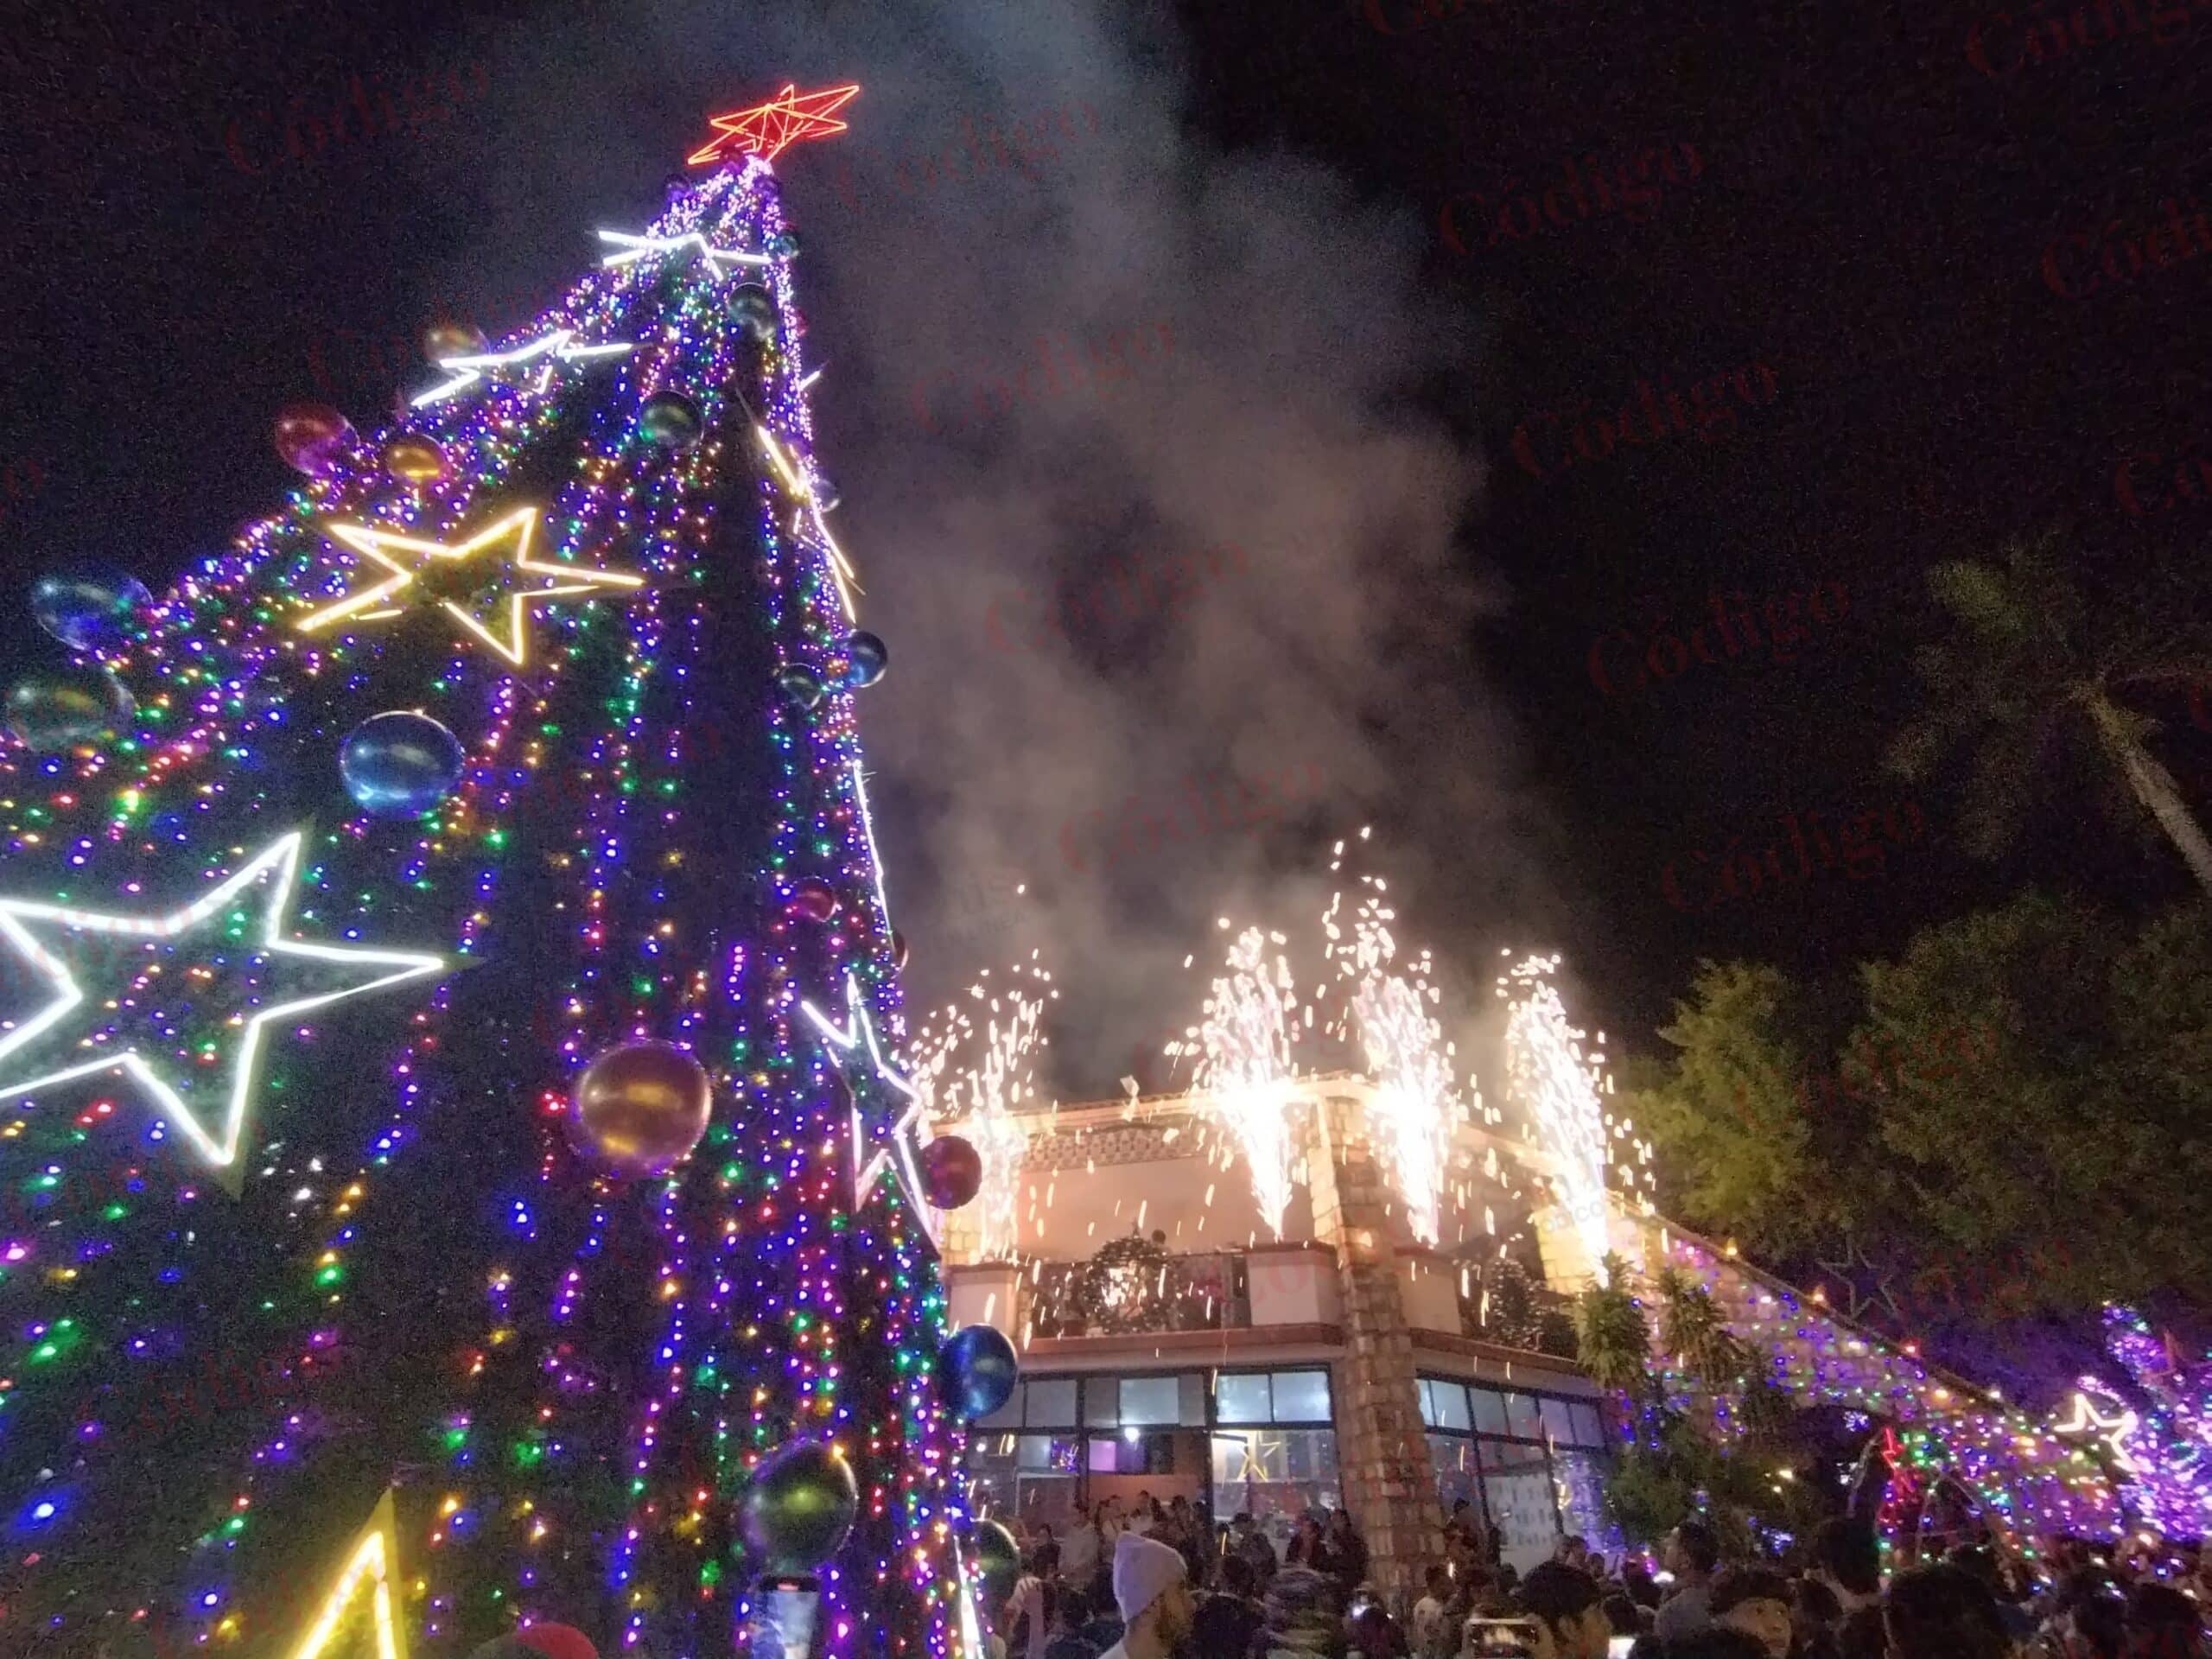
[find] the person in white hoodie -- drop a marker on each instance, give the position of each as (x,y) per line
(1151,1589)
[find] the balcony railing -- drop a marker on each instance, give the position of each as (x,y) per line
(1125,1298)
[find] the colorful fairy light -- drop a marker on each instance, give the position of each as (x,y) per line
(578,855)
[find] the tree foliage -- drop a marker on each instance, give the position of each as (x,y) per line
(2015,1118)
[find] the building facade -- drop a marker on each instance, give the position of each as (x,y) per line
(1177,1341)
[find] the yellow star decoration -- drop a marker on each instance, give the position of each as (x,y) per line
(373,1564)
(409,558)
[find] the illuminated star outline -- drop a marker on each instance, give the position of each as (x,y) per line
(1855,1256)
(766,130)
(375,1556)
(556,347)
(869,1162)
(278,866)
(368,604)
(635,248)
(2113,1431)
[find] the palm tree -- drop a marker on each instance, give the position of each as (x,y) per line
(1612,1338)
(2026,665)
(1691,1329)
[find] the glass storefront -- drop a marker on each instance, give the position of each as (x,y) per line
(1260,1440)
(1275,1447)
(1532,1465)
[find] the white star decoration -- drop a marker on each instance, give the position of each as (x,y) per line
(110,1026)
(515,367)
(635,248)
(846,1044)
(2115,1430)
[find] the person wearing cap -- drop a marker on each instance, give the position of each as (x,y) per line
(1151,1592)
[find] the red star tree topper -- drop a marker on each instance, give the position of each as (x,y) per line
(766,129)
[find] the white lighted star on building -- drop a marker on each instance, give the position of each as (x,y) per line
(858,1055)
(125,989)
(409,561)
(532,365)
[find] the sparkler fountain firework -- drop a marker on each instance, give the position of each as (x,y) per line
(1561,1090)
(1244,1067)
(989,1094)
(1416,1103)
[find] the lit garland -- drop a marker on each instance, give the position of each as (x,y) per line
(743,1277)
(2032,1479)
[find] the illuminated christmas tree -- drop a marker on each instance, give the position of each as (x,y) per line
(458,1172)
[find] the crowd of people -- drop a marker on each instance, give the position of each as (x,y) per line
(1149,1581)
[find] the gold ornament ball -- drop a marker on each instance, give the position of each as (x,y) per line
(413,459)
(640,1109)
(447,340)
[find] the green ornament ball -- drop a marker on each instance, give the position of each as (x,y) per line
(671,421)
(797,1509)
(997,1557)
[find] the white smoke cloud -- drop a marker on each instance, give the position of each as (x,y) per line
(1219,351)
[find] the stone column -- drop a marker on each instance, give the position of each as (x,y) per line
(1389,1484)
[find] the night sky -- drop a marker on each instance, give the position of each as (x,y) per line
(1849,292)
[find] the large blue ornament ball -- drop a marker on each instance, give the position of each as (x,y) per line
(399,764)
(68,707)
(784,244)
(976,1371)
(797,1509)
(867,658)
(754,308)
(87,610)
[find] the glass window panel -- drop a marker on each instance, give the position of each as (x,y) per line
(1241,1399)
(1007,1415)
(1150,1399)
(1557,1423)
(1589,1426)
(1522,1507)
(1102,1403)
(1522,1418)
(1453,1459)
(1490,1411)
(1035,1451)
(1105,1456)
(1191,1392)
(1276,1473)
(1451,1405)
(1302,1397)
(1051,1402)
(1581,1477)
(1425,1390)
